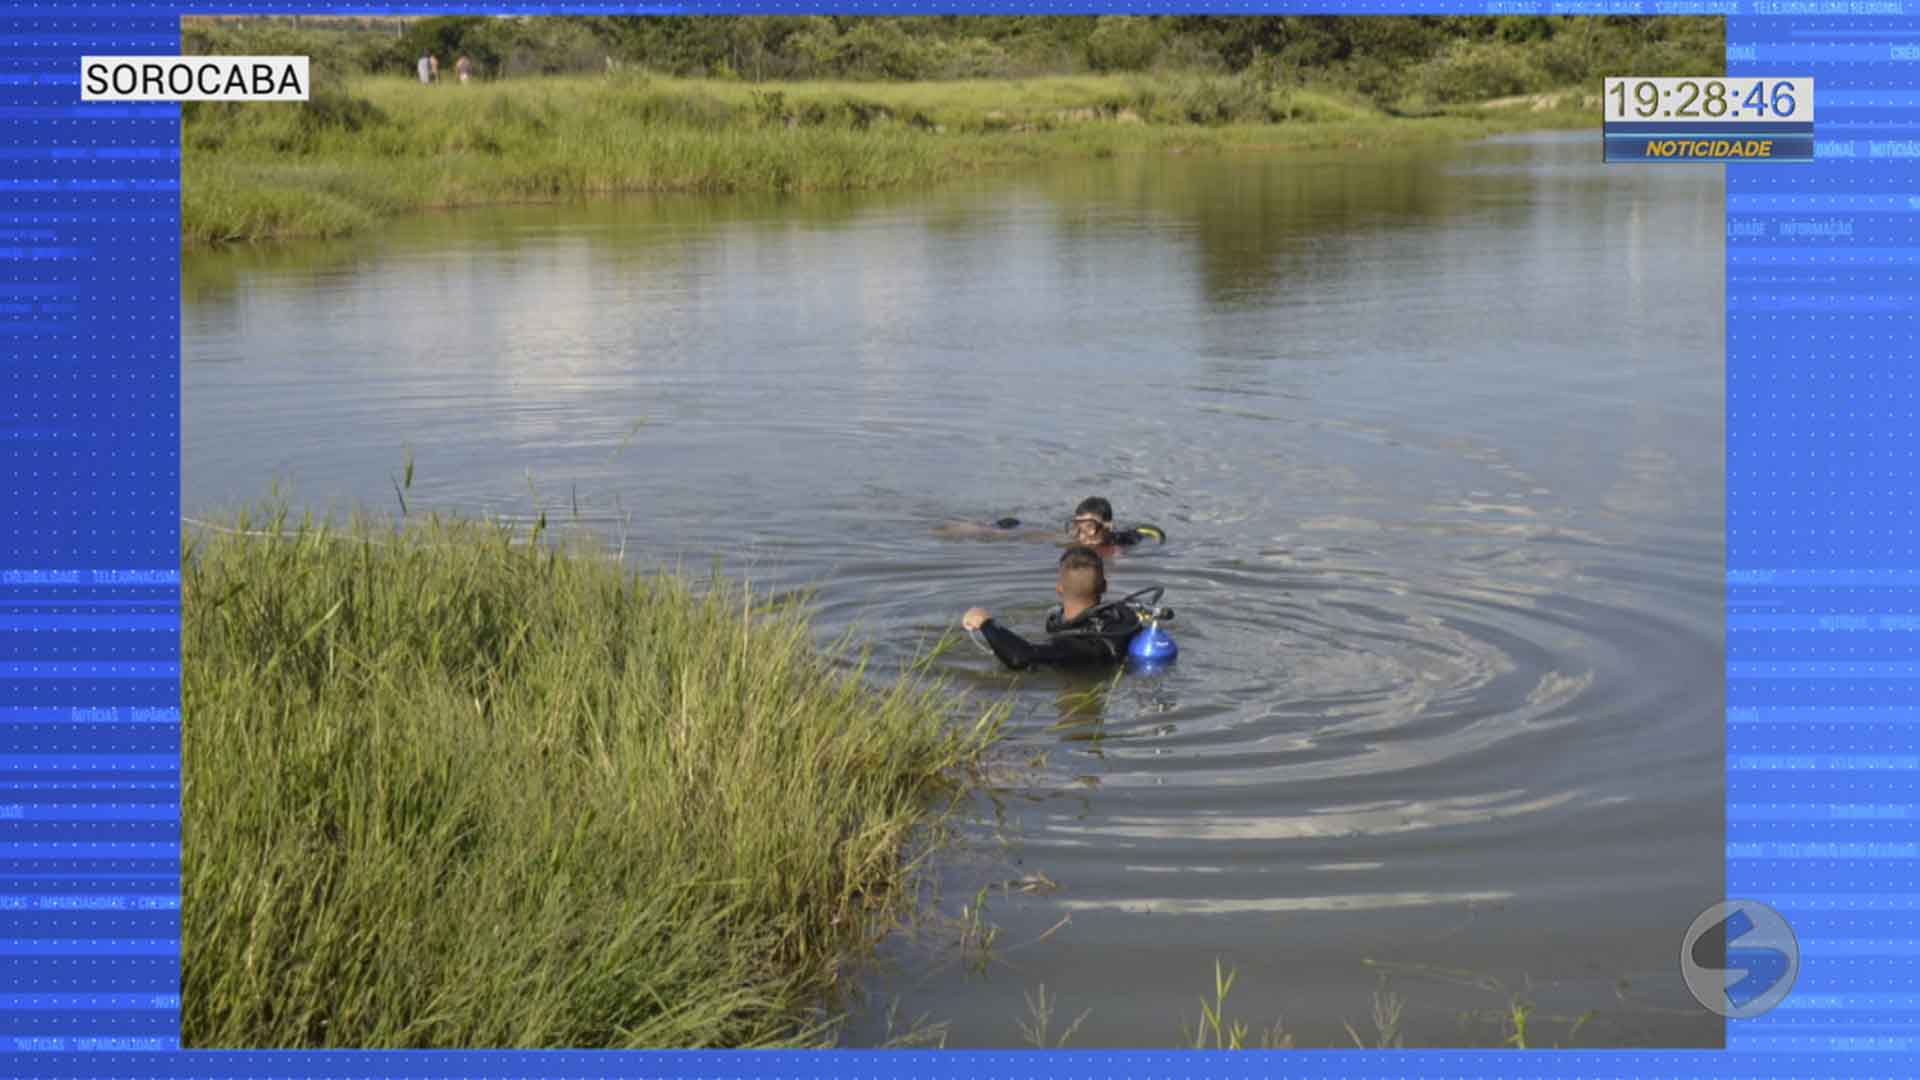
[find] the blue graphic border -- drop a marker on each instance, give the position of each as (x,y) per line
(1822,291)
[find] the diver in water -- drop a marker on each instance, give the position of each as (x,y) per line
(1081,631)
(1091,526)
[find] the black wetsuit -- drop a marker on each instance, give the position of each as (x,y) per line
(1098,636)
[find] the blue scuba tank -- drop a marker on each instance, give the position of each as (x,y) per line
(1152,645)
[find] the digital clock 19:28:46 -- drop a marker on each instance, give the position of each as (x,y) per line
(1705,99)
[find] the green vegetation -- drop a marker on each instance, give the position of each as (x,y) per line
(1384,58)
(446,789)
(611,105)
(337,164)
(1215,1032)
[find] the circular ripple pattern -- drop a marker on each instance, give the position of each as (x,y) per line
(1436,439)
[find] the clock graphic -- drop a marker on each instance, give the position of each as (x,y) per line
(1708,119)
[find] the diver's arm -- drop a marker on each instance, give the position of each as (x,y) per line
(1011,527)
(1019,654)
(968,530)
(1010,648)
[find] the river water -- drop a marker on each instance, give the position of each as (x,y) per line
(1435,436)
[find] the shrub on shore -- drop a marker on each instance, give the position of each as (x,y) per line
(445,790)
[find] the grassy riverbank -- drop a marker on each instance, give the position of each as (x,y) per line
(373,146)
(442,790)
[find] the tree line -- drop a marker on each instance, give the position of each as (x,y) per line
(1438,58)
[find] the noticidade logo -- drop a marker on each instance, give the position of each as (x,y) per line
(1710,148)
(1740,958)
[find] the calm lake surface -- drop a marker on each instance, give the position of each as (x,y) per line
(1436,438)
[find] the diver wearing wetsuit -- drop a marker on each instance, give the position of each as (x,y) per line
(1081,631)
(1092,525)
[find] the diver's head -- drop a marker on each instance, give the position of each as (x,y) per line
(1083,579)
(1096,506)
(1092,522)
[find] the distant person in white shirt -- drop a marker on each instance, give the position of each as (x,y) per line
(425,68)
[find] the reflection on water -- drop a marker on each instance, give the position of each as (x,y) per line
(1436,437)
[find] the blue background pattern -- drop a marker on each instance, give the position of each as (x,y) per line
(1823,592)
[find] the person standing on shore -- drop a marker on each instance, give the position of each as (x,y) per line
(463,67)
(433,65)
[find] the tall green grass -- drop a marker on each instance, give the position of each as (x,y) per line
(442,789)
(367,148)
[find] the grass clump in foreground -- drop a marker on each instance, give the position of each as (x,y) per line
(442,789)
